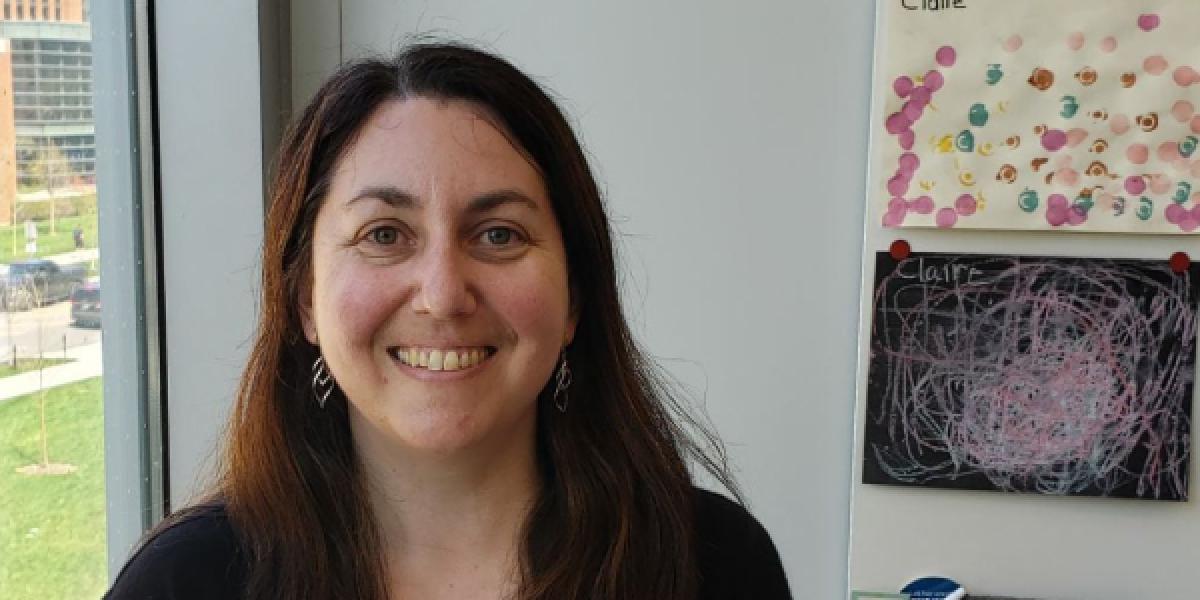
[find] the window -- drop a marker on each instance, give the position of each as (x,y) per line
(71,398)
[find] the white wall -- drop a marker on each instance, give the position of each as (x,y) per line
(210,155)
(730,140)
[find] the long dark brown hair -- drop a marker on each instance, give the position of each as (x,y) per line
(614,518)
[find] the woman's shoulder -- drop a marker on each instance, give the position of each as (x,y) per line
(736,555)
(195,554)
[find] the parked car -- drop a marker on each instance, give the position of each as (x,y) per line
(31,283)
(85,305)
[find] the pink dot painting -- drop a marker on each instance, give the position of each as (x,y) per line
(1137,154)
(897,123)
(1119,124)
(1057,215)
(1076,215)
(893,218)
(1168,151)
(1067,176)
(1054,139)
(912,111)
(934,80)
(965,205)
(921,95)
(1175,213)
(1155,65)
(945,56)
(946,218)
(1075,40)
(922,205)
(1135,185)
(1076,136)
(1160,184)
(1094,99)
(1182,111)
(1185,76)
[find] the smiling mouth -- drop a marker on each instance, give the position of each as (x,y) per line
(442,359)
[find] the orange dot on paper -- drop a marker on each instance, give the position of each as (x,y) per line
(1108,44)
(1013,43)
(1196,124)
(1155,65)
(1137,154)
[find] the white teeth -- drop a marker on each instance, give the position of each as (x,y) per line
(442,360)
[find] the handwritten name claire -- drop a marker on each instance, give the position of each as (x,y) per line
(938,272)
(932,5)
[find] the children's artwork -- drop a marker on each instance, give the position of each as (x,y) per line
(1071,115)
(1065,376)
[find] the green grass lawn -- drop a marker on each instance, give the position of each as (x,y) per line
(49,242)
(52,528)
(28,364)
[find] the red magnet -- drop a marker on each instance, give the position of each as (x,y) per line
(900,250)
(1180,262)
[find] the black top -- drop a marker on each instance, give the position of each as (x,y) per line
(199,558)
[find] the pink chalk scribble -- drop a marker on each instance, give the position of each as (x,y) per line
(1048,375)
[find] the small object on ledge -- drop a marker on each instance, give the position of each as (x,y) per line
(934,588)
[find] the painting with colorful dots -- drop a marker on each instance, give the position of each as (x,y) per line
(1074,115)
(1060,376)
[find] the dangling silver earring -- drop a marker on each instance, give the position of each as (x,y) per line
(322,381)
(562,381)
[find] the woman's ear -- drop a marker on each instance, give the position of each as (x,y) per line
(572,316)
(304,307)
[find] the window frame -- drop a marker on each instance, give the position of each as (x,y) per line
(134,406)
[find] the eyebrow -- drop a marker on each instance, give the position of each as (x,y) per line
(398,198)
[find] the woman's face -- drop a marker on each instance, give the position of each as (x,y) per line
(439,292)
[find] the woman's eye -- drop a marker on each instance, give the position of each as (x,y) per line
(499,236)
(384,236)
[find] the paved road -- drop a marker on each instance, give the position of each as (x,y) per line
(47,328)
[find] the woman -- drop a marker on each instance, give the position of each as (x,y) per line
(444,399)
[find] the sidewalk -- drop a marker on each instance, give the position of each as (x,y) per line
(87,362)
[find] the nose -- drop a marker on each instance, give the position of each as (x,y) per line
(444,289)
